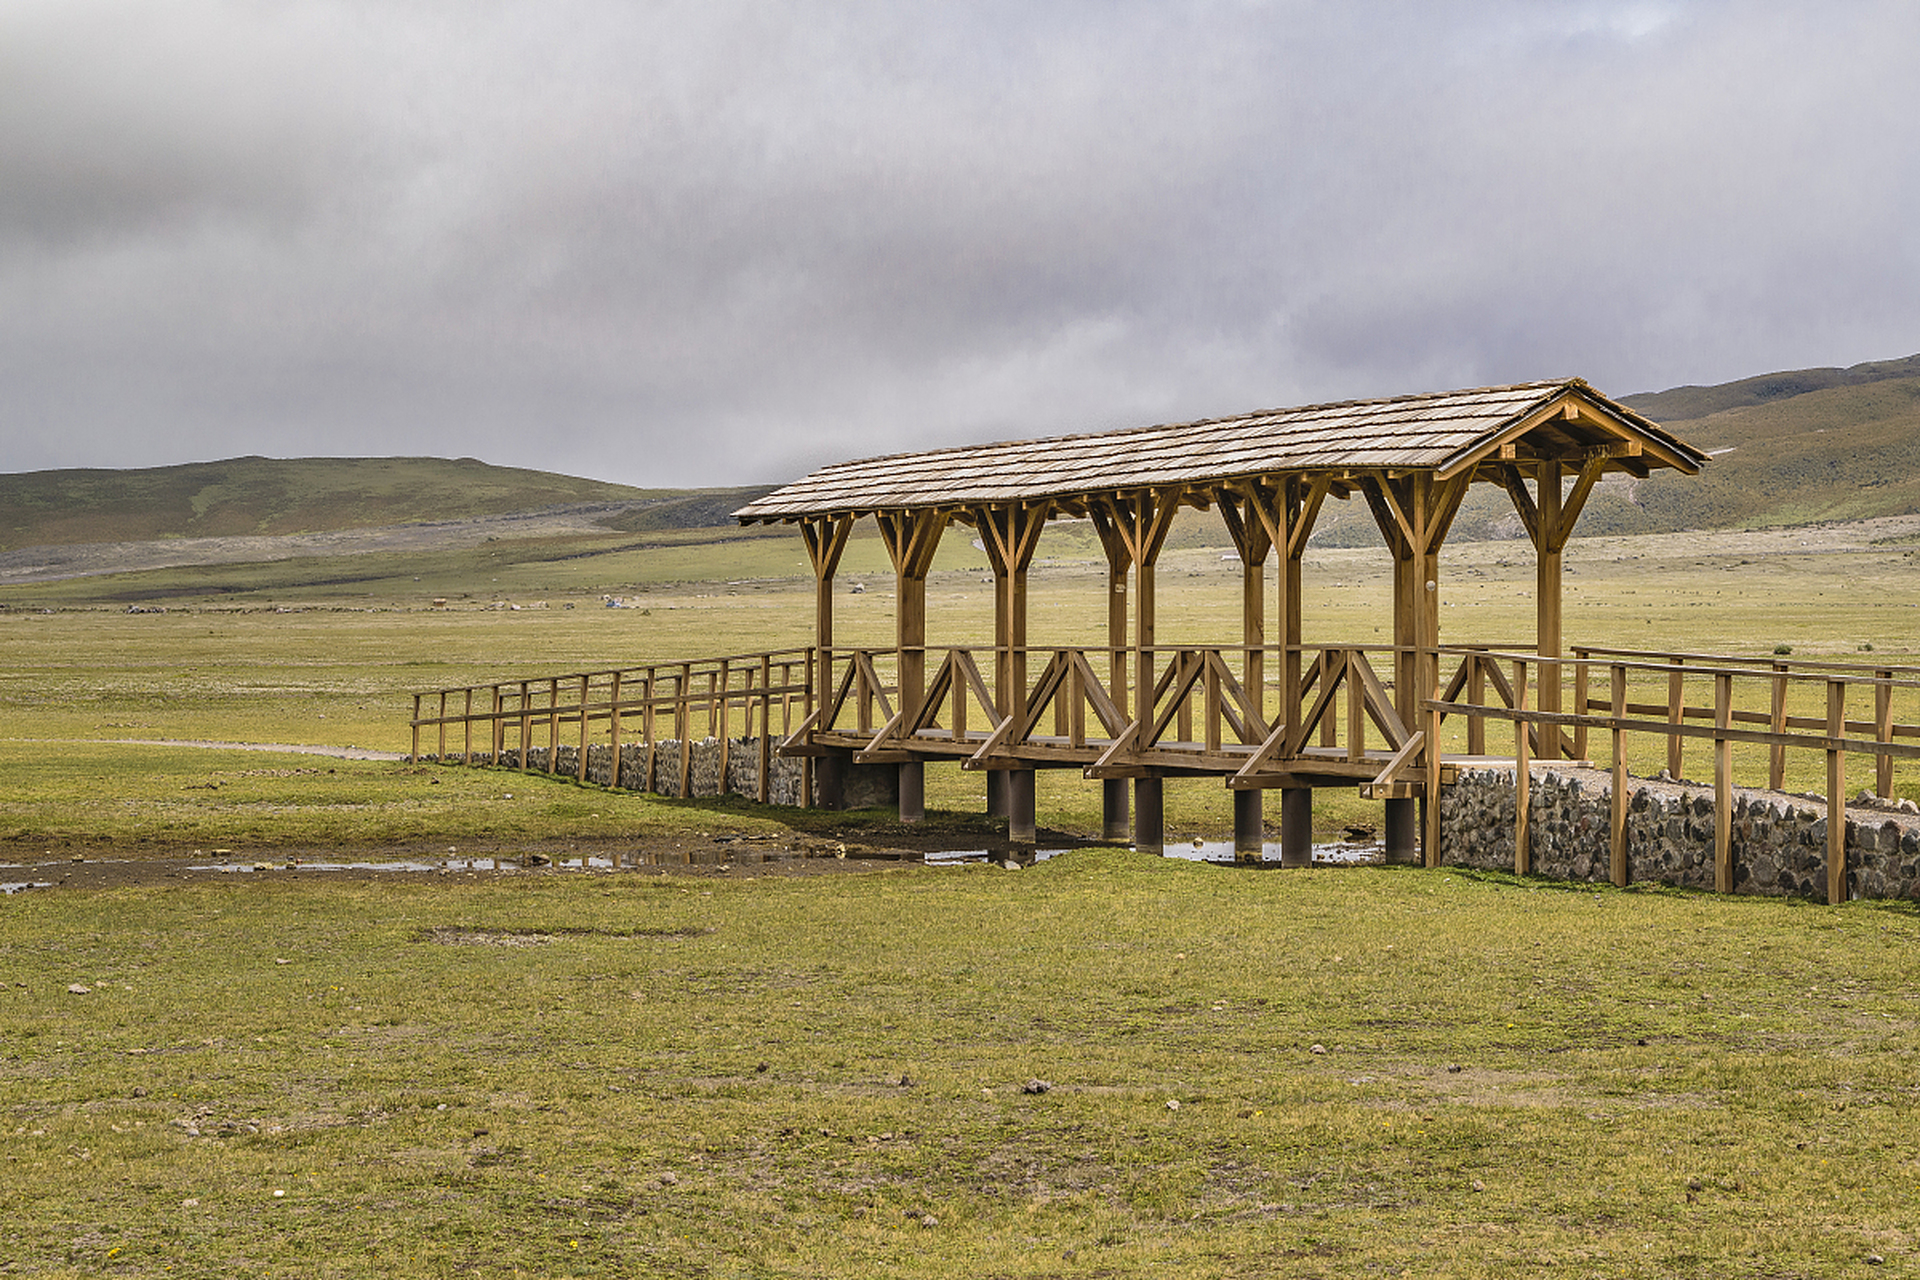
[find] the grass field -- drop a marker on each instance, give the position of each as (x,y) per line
(544,1073)
(1332,1073)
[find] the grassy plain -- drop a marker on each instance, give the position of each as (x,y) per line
(561,1073)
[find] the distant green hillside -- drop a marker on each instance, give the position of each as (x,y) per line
(244,496)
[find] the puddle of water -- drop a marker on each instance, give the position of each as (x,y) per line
(21,886)
(1341,854)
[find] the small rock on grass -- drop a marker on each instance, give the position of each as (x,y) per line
(1318,1048)
(1036,1086)
(79,989)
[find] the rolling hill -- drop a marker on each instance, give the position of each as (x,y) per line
(253,497)
(1794,447)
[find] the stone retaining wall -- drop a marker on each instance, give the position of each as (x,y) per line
(742,768)
(1779,842)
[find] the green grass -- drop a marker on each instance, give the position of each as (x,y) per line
(567,1074)
(559,1073)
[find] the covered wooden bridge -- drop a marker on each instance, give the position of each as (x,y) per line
(1273,712)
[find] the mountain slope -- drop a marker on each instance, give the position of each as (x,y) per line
(256,496)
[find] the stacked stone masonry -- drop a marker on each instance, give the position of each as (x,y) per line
(742,763)
(1779,843)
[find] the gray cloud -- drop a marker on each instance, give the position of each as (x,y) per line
(714,242)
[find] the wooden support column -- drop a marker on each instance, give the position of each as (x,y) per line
(911,538)
(1114,816)
(1140,519)
(1836,793)
(1414,512)
(1253,538)
(1549,519)
(1010,534)
(826,539)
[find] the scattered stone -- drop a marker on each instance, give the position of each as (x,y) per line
(1479,1185)
(1036,1086)
(669,1179)
(929,1221)
(1173,1104)
(191,1202)
(1318,1048)
(1874,1260)
(79,989)
(1455,1069)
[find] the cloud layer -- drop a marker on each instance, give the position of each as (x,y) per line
(724,242)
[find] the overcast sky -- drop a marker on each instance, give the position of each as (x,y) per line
(715,242)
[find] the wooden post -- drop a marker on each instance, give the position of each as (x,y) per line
(1836,793)
(1140,521)
(1580,693)
(1883,732)
(1547,587)
(1777,753)
(466,729)
(1722,783)
(1676,714)
(414,757)
(526,721)
(1618,824)
(1477,695)
(1114,817)
(553,725)
(580,764)
(1430,843)
(911,539)
(826,539)
(763,787)
(1522,777)
(613,730)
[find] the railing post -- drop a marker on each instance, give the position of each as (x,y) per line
(1580,702)
(1836,793)
(580,765)
(1522,775)
(1722,782)
(1777,753)
(1676,713)
(415,757)
(1477,695)
(553,725)
(443,726)
(1618,833)
(466,728)
(1883,731)
(613,730)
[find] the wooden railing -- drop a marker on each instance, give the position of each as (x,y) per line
(769,693)
(1758,717)
(1774,704)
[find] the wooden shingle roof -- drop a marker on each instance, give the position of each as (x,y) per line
(1447,433)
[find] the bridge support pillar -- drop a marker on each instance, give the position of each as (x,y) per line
(1114,818)
(1149,817)
(1021,826)
(913,791)
(830,781)
(1296,826)
(997,793)
(1403,831)
(1249,826)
